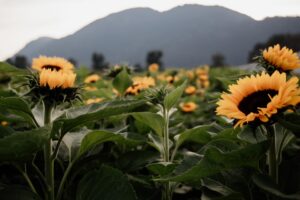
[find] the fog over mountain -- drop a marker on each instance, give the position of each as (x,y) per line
(188,36)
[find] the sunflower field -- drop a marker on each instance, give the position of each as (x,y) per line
(204,133)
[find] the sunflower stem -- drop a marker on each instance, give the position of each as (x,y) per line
(49,163)
(273,165)
(167,192)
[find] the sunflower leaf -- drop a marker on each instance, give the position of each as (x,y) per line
(291,122)
(153,120)
(172,98)
(215,161)
(122,81)
(18,107)
(77,117)
(106,183)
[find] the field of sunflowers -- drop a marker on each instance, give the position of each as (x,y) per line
(204,133)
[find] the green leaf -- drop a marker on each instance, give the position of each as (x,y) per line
(215,161)
(17,193)
(79,116)
(9,69)
(219,188)
(22,145)
(172,98)
(153,120)
(93,139)
(19,107)
(265,183)
(122,81)
(292,122)
(106,183)
(252,136)
(135,160)
(162,168)
(198,134)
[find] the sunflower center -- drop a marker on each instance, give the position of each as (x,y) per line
(52,67)
(259,99)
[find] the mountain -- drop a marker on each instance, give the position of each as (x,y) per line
(188,35)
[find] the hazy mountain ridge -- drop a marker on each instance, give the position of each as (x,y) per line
(188,35)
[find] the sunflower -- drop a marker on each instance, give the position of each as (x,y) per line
(283,59)
(90,88)
(188,107)
(52,63)
(139,84)
(54,72)
(56,79)
(190,90)
(258,98)
(92,78)
(95,100)
(172,79)
(4,123)
(153,67)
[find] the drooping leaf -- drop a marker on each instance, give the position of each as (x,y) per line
(107,183)
(265,183)
(122,81)
(291,122)
(18,107)
(218,187)
(252,135)
(79,116)
(134,160)
(92,139)
(17,193)
(215,161)
(22,145)
(172,98)
(153,120)
(198,134)
(162,168)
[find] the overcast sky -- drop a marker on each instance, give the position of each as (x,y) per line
(24,20)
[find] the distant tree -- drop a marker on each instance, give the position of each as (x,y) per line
(19,61)
(155,57)
(138,68)
(98,62)
(10,61)
(291,41)
(73,61)
(218,60)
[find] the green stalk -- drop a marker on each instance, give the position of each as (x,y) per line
(63,181)
(167,193)
(26,177)
(49,163)
(273,165)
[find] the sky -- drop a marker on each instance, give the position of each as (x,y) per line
(22,21)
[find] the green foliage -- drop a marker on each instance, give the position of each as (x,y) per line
(122,81)
(105,183)
(17,193)
(91,140)
(79,116)
(215,161)
(19,107)
(153,120)
(173,97)
(22,145)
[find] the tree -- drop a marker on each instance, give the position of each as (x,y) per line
(19,61)
(138,67)
(155,57)
(98,62)
(218,60)
(73,61)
